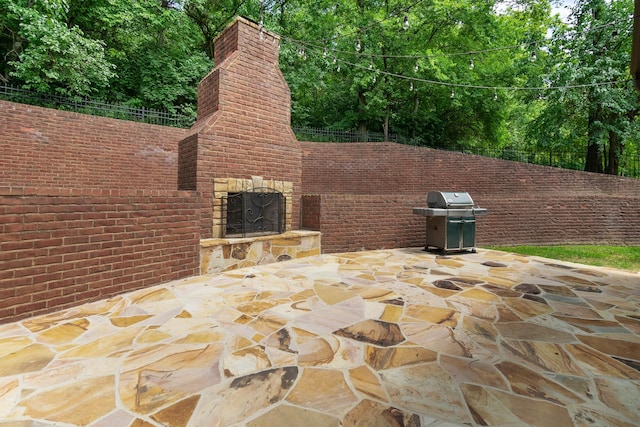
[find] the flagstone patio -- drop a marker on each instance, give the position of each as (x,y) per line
(381,338)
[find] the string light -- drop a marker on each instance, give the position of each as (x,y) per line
(547,85)
(358,47)
(495,95)
(442,54)
(394,13)
(374,24)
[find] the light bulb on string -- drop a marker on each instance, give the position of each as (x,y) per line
(261,34)
(358,45)
(324,52)
(374,78)
(534,53)
(495,95)
(405,24)
(417,58)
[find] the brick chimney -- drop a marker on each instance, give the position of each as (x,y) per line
(244,119)
(256,84)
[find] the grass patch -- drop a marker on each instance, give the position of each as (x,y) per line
(622,257)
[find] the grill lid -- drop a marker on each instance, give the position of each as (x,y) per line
(449,199)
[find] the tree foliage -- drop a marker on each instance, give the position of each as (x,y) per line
(388,84)
(593,114)
(368,65)
(144,53)
(47,55)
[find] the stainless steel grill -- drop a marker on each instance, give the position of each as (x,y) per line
(450,221)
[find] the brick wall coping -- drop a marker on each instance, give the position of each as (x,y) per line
(92,192)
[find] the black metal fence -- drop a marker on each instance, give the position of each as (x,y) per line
(96,108)
(629,163)
(333,135)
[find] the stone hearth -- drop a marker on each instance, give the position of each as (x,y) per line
(217,255)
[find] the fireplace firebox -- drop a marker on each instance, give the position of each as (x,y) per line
(258,212)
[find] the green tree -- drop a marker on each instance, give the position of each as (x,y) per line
(145,53)
(47,55)
(155,47)
(212,16)
(401,77)
(597,110)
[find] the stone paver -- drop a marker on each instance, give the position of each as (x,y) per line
(380,338)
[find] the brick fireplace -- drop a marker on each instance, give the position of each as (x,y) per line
(243,131)
(242,141)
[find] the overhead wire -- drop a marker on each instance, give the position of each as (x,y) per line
(489,87)
(321,44)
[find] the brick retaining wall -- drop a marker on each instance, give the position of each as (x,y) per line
(42,147)
(362,195)
(60,248)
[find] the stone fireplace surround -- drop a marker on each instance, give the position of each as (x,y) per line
(221,254)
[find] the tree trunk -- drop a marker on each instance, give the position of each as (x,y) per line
(362,122)
(385,125)
(416,104)
(615,151)
(593,161)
